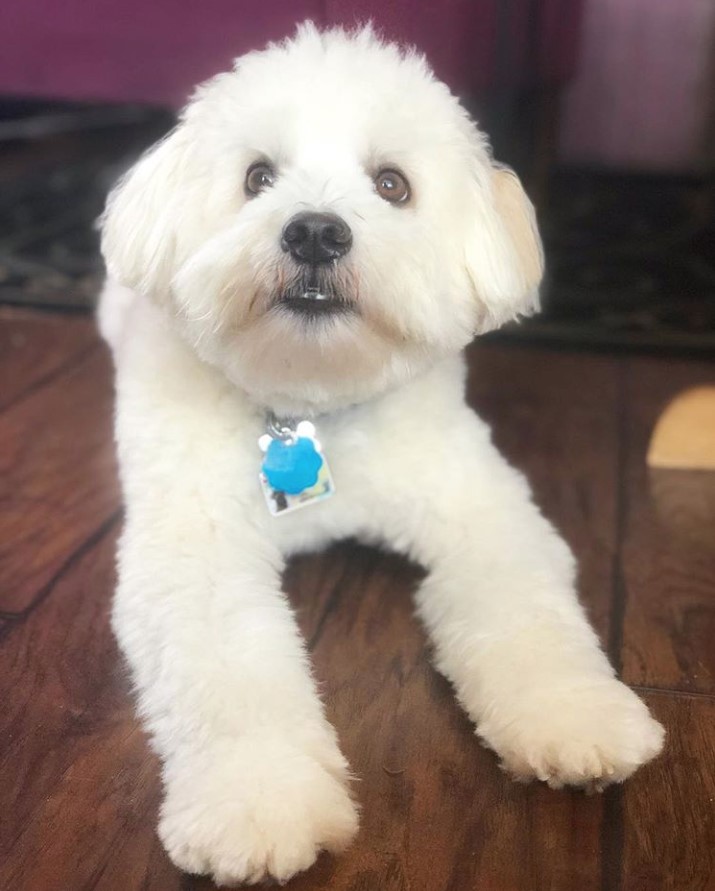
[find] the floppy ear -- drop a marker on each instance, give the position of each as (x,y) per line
(140,222)
(504,257)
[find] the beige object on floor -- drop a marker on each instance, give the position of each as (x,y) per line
(684,437)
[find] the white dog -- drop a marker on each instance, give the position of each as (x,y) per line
(318,239)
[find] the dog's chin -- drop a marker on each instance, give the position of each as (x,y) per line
(307,355)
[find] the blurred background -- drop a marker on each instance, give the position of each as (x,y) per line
(606,108)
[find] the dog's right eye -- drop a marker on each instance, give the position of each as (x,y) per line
(392,186)
(259,177)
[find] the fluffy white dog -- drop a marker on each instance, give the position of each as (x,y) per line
(318,239)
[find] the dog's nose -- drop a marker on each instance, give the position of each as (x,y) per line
(316,237)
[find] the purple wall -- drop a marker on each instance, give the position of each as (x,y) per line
(155,51)
(643,97)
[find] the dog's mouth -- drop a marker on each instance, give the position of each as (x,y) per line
(312,303)
(313,296)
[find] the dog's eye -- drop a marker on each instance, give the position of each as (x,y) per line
(259,177)
(392,186)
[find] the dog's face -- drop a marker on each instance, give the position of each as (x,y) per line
(324,222)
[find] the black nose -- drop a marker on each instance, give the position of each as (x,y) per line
(316,237)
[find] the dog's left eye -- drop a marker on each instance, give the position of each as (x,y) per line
(392,186)
(259,177)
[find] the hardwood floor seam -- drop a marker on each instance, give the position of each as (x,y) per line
(612,818)
(13,620)
(612,840)
(619,594)
(48,378)
(678,694)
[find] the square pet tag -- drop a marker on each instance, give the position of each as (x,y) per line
(294,472)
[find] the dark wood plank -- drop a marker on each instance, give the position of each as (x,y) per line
(669,811)
(80,788)
(34,347)
(669,546)
(58,477)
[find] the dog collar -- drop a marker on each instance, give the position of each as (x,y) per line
(294,471)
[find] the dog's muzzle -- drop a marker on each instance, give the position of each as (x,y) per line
(316,238)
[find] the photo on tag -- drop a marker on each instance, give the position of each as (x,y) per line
(282,502)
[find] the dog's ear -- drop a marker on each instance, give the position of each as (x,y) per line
(504,256)
(140,225)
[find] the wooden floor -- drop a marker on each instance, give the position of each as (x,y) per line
(78,788)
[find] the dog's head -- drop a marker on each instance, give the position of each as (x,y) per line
(324,221)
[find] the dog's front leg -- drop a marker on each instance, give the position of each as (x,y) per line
(255,784)
(501,607)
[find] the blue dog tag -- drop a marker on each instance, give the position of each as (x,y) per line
(292,467)
(294,472)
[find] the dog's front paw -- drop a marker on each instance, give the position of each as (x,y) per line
(586,735)
(256,809)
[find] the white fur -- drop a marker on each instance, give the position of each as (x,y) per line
(255,782)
